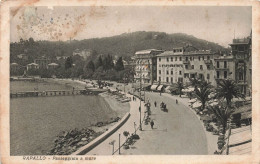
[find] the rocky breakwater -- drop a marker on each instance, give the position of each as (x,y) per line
(68,142)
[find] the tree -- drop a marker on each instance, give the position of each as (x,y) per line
(222,113)
(228,89)
(90,65)
(180,87)
(202,92)
(194,82)
(68,63)
(99,62)
(119,64)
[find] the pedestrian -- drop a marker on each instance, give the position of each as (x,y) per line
(155,103)
(176,101)
(152,124)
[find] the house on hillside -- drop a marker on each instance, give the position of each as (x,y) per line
(42,62)
(53,66)
(22,56)
(32,66)
(83,53)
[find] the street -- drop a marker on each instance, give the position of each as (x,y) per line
(178,132)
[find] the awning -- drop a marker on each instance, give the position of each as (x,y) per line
(160,87)
(246,115)
(192,100)
(153,87)
(242,109)
(196,105)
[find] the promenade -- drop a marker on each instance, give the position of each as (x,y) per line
(105,148)
(176,132)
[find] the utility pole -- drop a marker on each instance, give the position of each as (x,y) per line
(140,97)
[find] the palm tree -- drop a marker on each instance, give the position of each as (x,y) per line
(180,87)
(194,82)
(222,113)
(228,89)
(202,92)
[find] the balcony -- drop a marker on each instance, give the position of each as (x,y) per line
(221,68)
(186,62)
(207,61)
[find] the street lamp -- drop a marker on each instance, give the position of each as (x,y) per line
(119,144)
(112,143)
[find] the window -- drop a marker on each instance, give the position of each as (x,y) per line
(159,59)
(167,79)
(179,72)
(192,75)
(186,75)
(180,50)
(241,77)
(200,76)
(217,64)
(171,72)
(208,57)
(225,64)
(186,58)
(190,58)
(202,57)
(171,58)
(167,59)
(199,58)
(175,58)
(174,50)
(192,66)
(160,72)
(208,76)
(167,72)
(201,67)
(225,74)
(217,74)
(186,66)
(159,78)
(171,80)
(208,66)
(180,59)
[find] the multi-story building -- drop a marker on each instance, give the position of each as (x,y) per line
(42,62)
(224,67)
(32,66)
(241,52)
(146,65)
(183,63)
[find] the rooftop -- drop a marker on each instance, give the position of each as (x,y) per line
(148,51)
(171,53)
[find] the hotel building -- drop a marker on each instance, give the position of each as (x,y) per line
(183,63)
(146,66)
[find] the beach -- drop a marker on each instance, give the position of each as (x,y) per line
(35,122)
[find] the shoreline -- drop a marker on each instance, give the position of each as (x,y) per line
(119,108)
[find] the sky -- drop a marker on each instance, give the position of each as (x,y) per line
(215,24)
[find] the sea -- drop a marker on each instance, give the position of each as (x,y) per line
(36,121)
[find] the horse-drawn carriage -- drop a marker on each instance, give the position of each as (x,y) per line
(163,107)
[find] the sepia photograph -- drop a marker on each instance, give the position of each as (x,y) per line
(124,80)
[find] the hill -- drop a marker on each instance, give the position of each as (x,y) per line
(121,45)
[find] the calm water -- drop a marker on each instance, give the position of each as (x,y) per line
(35,122)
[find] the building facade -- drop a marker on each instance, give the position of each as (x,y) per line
(242,54)
(183,63)
(146,66)
(42,62)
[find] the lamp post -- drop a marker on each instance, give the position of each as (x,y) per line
(119,144)
(112,143)
(140,98)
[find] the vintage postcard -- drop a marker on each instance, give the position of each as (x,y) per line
(129,81)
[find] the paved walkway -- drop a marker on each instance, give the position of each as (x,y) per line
(105,148)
